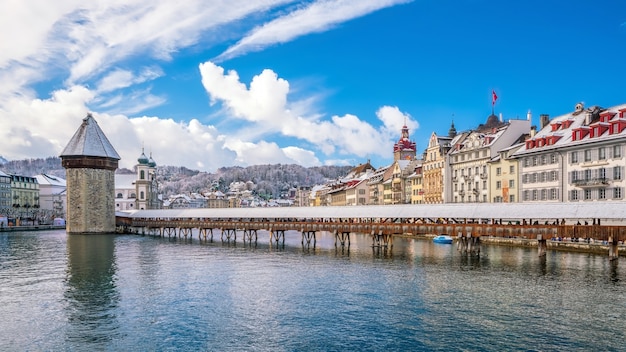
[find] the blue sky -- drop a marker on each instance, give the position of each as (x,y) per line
(220,83)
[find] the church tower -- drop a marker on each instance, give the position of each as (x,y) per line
(404,149)
(146,185)
(90,161)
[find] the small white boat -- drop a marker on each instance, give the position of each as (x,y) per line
(442,239)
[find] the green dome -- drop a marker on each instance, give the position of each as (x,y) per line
(143,159)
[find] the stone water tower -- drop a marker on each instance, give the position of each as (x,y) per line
(90,161)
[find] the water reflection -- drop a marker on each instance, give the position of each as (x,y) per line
(91,291)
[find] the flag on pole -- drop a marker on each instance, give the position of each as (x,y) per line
(494,97)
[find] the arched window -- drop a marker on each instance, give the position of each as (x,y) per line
(133,195)
(119,195)
(142,175)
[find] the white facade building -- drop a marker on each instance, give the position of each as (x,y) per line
(576,157)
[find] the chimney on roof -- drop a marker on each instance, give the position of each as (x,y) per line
(588,118)
(544,119)
(533,131)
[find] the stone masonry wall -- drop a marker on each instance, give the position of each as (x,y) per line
(90,200)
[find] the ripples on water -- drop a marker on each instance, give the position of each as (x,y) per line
(62,292)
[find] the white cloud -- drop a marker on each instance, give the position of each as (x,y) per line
(393,120)
(319,16)
(265,104)
(118,78)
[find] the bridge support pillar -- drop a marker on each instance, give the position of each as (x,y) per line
(169,231)
(474,244)
(342,238)
(277,236)
(461,243)
(227,234)
(613,248)
(184,231)
(307,236)
(203,233)
(381,239)
(542,245)
(248,234)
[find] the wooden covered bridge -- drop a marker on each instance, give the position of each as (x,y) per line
(467,222)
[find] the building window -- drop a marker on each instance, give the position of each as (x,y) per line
(534,161)
(526,193)
(617,173)
(511,169)
(617,151)
(573,195)
(587,194)
(617,193)
(587,155)
(535,194)
(484,184)
(511,183)
(574,157)
(543,160)
(601,153)
(142,175)
(512,198)
(553,193)
(544,194)
(498,184)
(552,158)
(554,175)
(601,193)
(498,171)
(119,195)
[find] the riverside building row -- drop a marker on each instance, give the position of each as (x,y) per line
(575,157)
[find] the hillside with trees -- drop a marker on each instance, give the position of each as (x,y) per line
(271,180)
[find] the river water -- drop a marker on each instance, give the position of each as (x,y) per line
(141,293)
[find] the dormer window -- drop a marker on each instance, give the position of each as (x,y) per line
(530,144)
(567,123)
(541,142)
(622,113)
(617,126)
(606,116)
(555,126)
(579,133)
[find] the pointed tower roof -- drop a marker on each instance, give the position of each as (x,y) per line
(89,140)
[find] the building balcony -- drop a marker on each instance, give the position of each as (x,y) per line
(591,182)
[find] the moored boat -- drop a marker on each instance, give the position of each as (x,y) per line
(442,239)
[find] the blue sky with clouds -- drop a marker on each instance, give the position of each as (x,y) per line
(209,84)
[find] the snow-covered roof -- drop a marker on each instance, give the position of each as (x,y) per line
(45,179)
(89,140)
(561,127)
(548,211)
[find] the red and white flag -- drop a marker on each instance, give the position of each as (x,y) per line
(494,97)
